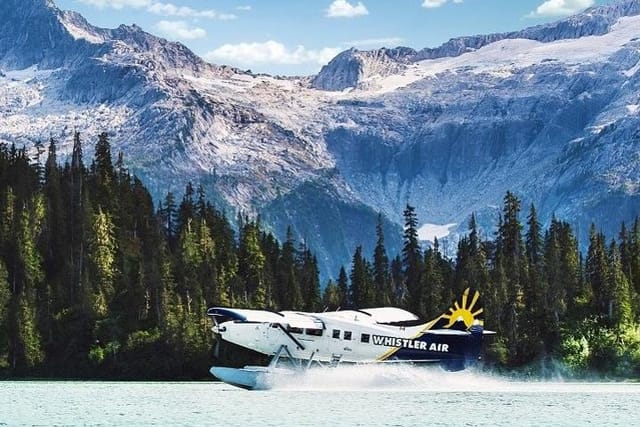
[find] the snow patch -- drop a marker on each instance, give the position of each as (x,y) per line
(429,232)
(633,109)
(80,33)
(500,57)
(633,70)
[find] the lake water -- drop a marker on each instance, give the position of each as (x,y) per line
(351,396)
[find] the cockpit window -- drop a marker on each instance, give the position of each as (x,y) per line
(314,332)
(295,330)
(347,335)
(336,333)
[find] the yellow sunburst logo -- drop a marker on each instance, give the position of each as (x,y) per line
(463,312)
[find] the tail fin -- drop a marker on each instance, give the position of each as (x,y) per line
(465,314)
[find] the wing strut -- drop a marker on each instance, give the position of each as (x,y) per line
(295,341)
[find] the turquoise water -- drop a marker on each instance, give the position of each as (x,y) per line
(344,397)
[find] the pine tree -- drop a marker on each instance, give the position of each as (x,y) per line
(331,296)
(168,215)
(103,249)
(412,260)
(597,274)
(537,314)
(27,349)
(56,232)
(361,289)
(434,286)
(104,175)
(382,281)
(621,311)
(252,260)
(189,260)
(398,285)
(187,209)
(78,212)
(343,289)
(5,298)
(289,296)
(308,276)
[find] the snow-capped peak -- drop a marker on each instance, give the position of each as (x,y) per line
(353,68)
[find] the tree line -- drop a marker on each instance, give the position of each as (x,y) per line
(96,281)
(554,308)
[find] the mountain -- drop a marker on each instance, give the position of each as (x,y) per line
(352,66)
(551,112)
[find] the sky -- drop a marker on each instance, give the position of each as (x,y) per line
(297,37)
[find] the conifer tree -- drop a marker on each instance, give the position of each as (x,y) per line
(621,311)
(104,175)
(168,215)
(5,298)
(343,289)
(308,277)
(27,351)
(207,270)
(78,212)
(511,255)
(187,209)
(537,313)
(382,281)
(289,296)
(434,286)
(189,260)
(553,304)
(103,260)
(56,232)
(597,274)
(361,289)
(412,260)
(252,260)
(398,285)
(331,296)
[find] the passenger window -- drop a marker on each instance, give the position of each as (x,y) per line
(336,333)
(294,330)
(314,332)
(347,335)
(364,338)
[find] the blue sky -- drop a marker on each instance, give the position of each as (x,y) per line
(296,37)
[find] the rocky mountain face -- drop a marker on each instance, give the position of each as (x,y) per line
(550,112)
(351,67)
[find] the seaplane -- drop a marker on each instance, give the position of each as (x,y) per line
(293,341)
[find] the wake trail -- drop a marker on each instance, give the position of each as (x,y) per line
(406,378)
(389,378)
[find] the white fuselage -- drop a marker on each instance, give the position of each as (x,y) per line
(345,336)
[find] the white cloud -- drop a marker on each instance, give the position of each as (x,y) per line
(117,4)
(387,42)
(270,52)
(180,30)
(344,9)
(560,7)
(226,16)
(159,8)
(246,8)
(432,4)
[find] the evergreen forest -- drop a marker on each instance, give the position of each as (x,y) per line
(99,281)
